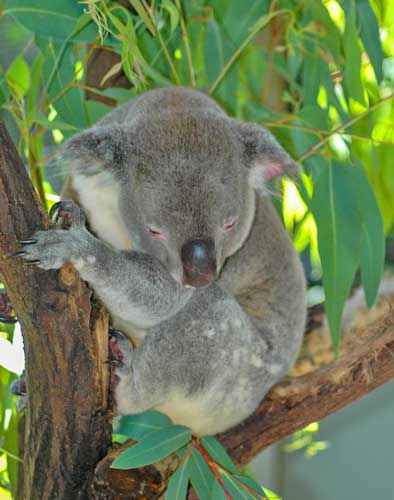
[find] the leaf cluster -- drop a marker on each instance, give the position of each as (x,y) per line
(204,463)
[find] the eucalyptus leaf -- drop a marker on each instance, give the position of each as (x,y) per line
(218,453)
(177,486)
(18,76)
(369,34)
(350,231)
(236,488)
(200,475)
(352,49)
(49,18)
(139,425)
(339,244)
(154,447)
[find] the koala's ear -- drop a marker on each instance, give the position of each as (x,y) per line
(264,156)
(101,148)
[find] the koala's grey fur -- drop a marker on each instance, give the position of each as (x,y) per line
(173,159)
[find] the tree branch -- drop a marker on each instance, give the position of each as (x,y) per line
(65,340)
(366,362)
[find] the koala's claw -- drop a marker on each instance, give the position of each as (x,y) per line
(69,212)
(26,242)
(120,354)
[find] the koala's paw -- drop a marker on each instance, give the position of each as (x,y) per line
(120,355)
(18,388)
(69,213)
(50,249)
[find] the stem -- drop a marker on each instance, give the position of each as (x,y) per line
(186,43)
(214,467)
(11,455)
(344,125)
(163,46)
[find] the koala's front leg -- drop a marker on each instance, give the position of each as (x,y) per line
(134,286)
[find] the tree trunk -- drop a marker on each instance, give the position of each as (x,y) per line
(65,338)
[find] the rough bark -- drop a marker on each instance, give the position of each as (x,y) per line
(65,338)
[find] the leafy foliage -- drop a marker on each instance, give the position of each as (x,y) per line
(204,462)
(318,74)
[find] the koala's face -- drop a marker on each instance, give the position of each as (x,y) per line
(182,180)
(195,205)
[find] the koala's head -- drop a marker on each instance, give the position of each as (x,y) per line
(186,184)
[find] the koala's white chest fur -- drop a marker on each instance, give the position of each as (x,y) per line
(99,196)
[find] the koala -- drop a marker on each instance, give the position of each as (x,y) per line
(187,253)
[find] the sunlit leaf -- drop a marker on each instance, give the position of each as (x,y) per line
(18,76)
(349,231)
(351,45)
(369,34)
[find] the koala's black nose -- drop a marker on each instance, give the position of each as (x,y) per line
(199,262)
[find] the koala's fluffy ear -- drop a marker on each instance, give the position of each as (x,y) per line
(101,148)
(264,156)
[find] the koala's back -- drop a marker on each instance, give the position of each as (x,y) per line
(156,102)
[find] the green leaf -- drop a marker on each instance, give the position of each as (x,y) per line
(217,491)
(11,445)
(352,49)
(255,487)
(18,76)
(154,447)
(213,49)
(314,68)
(200,475)
(138,426)
(42,120)
(177,487)
(337,220)
(173,13)
(33,94)
(69,102)
(144,15)
(49,18)
(218,453)
(372,237)
(350,229)
(236,488)
(370,36)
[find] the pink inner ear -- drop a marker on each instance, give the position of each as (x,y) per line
(272,169)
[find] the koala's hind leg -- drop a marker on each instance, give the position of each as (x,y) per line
(207,367)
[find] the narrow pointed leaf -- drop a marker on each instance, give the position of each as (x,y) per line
(49,18)
(372,236)
(338,237)
(237,489)
(177,487)
(218,453)
(154,447)
(138,426)
(200,475)
(369,34)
